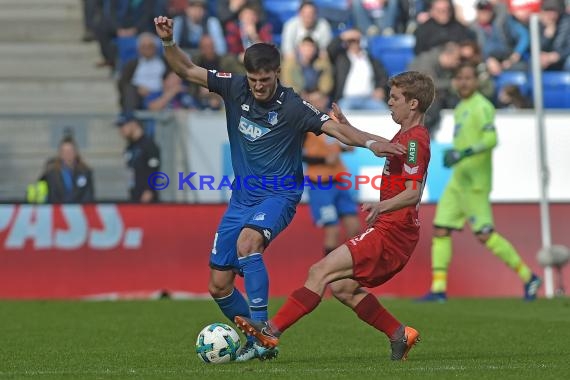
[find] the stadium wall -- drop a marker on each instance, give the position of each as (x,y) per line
(111,251)
(515,160)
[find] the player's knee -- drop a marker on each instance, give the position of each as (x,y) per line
(316,272)
(484,234)
(441,232)
(343,295)
(219,289)
(248,244)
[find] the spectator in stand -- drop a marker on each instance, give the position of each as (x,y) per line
(440,28)
(555,36)
(504,39)
(440,64)
(174,95)
(465,11)
(69,179)
(208,59)
(510,97)
(122,18)
(374,17)
(91,17)
(142,76)
(306,23)
(190,27)
(228,9)
(246,31)
(309,74)
(360,79)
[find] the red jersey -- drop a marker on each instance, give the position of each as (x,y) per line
(411,166)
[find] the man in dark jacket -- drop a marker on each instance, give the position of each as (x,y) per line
(360,79)
(440,28)
(142,157)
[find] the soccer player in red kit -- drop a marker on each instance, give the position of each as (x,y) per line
(380,252)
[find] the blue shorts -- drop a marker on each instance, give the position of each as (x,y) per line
(269,217)
(328,205)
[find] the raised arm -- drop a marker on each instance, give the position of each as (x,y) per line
(176,58)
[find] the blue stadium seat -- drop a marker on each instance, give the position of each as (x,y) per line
(395,52)
(518,78)
(279,11)
(213,8)
(336,12)
(556,89)
(126,50)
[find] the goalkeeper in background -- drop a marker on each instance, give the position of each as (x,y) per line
(466,196)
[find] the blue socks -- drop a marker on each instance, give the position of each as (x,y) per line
(256,285)
(234,305)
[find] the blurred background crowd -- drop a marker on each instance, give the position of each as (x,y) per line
(333,50)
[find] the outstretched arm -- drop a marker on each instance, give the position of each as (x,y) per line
(341,118)
(176,58)
(351,136)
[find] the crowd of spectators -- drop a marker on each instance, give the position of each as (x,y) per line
(323,59)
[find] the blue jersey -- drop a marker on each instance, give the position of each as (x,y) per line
(266,139)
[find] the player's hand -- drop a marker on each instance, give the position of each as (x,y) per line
(163,27)
(386,149)
(451,157)
(337,113)
(373,212)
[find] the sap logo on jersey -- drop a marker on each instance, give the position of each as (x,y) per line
(250,130)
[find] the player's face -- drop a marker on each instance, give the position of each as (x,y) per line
(67,154)
(263,84)
(399,107)
(465,82)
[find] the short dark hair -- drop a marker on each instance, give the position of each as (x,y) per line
(415,85)
(310,3)
(463,65)
(67,139)
(261,57)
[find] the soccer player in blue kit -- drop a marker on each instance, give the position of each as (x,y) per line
(266,125)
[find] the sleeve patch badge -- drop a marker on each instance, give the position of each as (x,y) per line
(224,75)
(412,152)
(411,170)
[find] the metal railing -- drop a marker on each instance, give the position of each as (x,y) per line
(28,140)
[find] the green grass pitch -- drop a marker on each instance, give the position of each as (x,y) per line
(465,338)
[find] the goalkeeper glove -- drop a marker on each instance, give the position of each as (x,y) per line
(452,156)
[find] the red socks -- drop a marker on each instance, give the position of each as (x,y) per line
(301,302)
(371,311)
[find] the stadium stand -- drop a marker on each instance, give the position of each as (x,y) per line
(395,52)
(126,50)
(46,70)
(556,85)
(518,78)
(279,11)
(337,13)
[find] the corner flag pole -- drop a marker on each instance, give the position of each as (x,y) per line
(544,175)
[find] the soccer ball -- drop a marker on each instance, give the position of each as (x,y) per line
(217,343)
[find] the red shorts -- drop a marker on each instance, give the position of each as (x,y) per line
(382,251)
